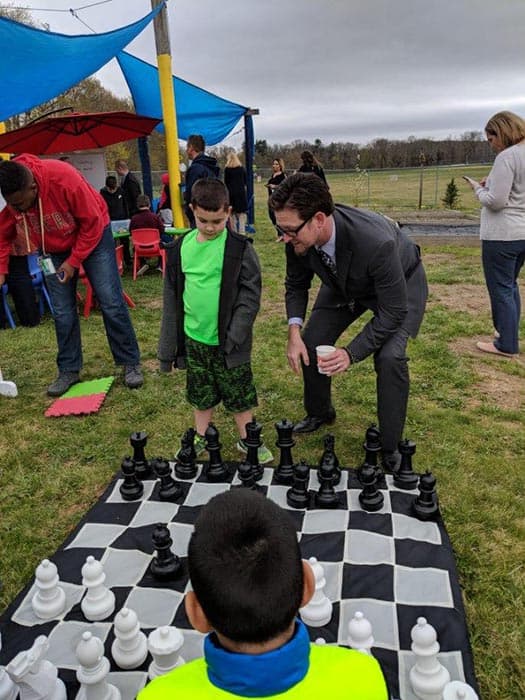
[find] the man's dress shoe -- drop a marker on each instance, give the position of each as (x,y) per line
(310,424)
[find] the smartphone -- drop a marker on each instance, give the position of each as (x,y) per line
(468,179)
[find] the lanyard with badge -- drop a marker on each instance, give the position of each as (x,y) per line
(44,261)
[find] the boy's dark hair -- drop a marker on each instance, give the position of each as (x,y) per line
(245,566)
(111,181)
(13,177)
(210,194)
(304,192)
(143,201)
(197,141)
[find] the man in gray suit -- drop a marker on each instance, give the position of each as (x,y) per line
(365,262)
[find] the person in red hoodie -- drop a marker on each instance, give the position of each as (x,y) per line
(56,209)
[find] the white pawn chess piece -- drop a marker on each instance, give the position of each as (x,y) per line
(49,600)
(456,690)
(99,601)
(318,611)
(164,644)
(130,647)
(428,676)
(8,689)
(36,677)
(360,634)
(93,671)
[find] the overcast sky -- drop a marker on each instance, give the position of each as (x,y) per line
(338,70)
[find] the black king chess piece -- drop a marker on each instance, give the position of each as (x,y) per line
(165,565)
(138,442)
(330,459)
(253,442)
(370,498)
(284,474)
(298,496)
(326,497)
(426,504)
(131,488)
(216,470)
(169,490)
(405,477)
(185,467)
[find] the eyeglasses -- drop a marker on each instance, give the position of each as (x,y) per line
(294,232)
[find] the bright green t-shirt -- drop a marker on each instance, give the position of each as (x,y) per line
(202,264)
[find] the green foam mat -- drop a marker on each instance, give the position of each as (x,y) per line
(94,386)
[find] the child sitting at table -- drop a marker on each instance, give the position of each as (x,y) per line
(145,218)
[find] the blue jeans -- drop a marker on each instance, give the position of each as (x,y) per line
(502,262)
(101,271)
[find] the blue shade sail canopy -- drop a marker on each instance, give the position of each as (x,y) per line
(37,65)
(198,111)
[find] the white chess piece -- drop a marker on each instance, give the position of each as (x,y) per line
(99,601)
(130,647)
(36,677)
(7,388)
(93,671)
(164,644)
(428,676)
(360,634)
(8,689)
(318,611)
(49,600)
(320,642)
(456,690)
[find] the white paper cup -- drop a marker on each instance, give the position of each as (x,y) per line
(324,351)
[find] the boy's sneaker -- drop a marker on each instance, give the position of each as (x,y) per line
(263,453)
(62,383)
(199,445)
(133,378)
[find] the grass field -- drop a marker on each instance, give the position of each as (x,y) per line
(465,414)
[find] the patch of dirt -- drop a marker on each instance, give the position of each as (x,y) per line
(472,298)
(154,304)
(445,217)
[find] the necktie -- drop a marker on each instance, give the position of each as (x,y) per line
(328,262)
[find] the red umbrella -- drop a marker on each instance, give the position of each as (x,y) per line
(77,131)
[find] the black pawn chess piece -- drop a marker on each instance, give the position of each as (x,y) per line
(326,497)
(169,490)
(253,442)
(216,470)
(165,565)
(131,488)
(329,458)
(405,477)
(246,476)
(185,467)
(138,442)
(298,496)
(284,473)
(426,503)
(370,498)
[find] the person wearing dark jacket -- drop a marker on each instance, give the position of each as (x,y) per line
(130,186)
(115,198)
(201,166)
(235,181)
(311,165)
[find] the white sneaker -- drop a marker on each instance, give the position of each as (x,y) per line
(142,270)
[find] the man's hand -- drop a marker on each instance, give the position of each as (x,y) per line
(296,349)
(336,363)
(2,279)
(65,272)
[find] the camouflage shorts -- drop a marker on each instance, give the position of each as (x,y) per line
(209,381)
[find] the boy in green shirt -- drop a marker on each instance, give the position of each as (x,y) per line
(212,293)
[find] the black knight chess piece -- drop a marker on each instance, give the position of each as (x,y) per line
(426,505)
(185,467)
(284,474)
(131,488)
(165,565)
(370,498)
(330,459)
(169,490)
(297,496)
(253,442)
(326,497)
(142,466)
(216,470)
(405,477)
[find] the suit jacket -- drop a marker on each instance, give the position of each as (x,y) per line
(378,268)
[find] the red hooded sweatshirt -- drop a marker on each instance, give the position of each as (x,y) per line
(74,213)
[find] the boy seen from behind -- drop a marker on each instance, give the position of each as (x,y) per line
(212,293)
(248,584)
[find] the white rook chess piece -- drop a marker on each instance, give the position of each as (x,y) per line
(164,644)
(360,634)
(36,677)
(49,600)
(8,689)
(93,671)
(318,611)
(456,690)
(99,601)
(130,647)
(428,676)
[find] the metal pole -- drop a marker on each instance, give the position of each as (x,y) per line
(422,163)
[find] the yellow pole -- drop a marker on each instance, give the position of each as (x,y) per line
(167,97)
(4,156)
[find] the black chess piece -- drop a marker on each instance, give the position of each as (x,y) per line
(253,442)
(284,474)
(169,490)
(426,504)
(131,488)
(165,565)
(138,442)
(185,467)
(329,458)
(405,477)
(216,470)
(326,497)
(298,496)
(246,476)
(370,498)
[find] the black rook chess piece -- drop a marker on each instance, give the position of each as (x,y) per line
(284,473)
(370,498)
(253,442)
(131,488)
(165,565)
(329,458)
(138,442)
(169,490)
(405,477)
(326,497)
(185,467)
(426,504)
(298,496)
(216,469)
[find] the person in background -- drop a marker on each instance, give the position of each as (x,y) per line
(145,218)
(311,165)
(20,283)
(235,181)
(130,186)
(502,229)
(115,199)
(277,176)
(164,209)
(202,166)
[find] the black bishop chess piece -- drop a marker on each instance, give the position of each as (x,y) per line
(372,447)
(185,467)
(247,476)
(169,490)
(329,457)
(284,474)
(166,565)
(370,498)
(298,496)
(142,466)
(405,477)
(216,470)
(253,442)
(426,505)
(131,488)
(327,496)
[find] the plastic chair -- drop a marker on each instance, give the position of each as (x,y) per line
(39,284)
(7,310)
(119,254)
(146,244)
